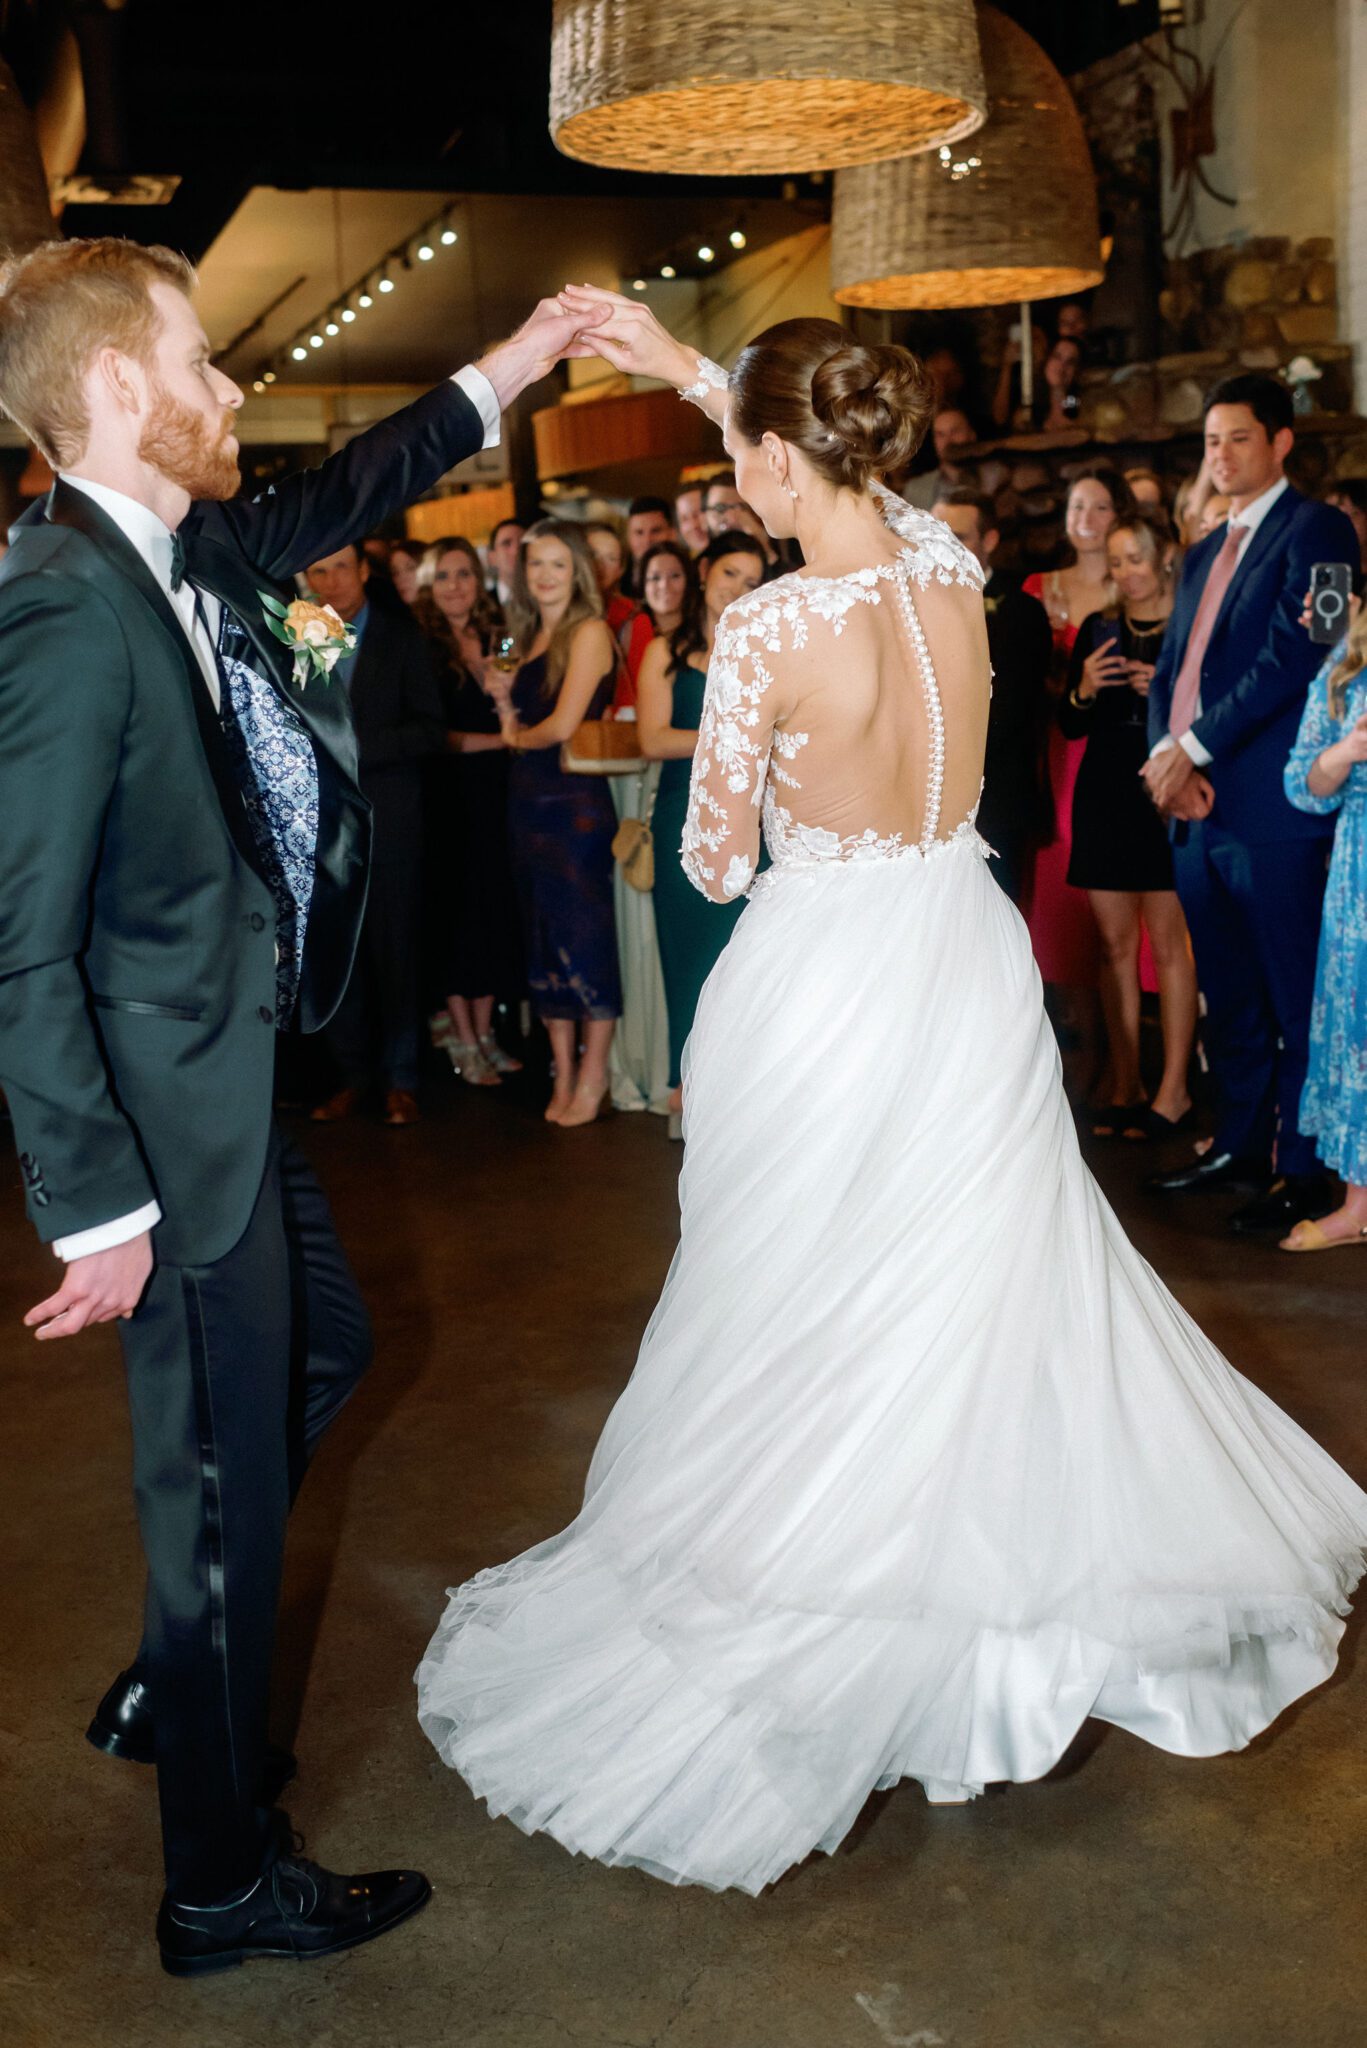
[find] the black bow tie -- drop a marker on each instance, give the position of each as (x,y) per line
(177,563)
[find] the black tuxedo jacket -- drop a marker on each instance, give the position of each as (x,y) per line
(137,979)
(396,708)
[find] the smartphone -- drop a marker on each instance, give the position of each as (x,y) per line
(1331,585)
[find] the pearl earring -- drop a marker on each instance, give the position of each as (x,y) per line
(791,492)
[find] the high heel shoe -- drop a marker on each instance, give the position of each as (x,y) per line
(470,1064)
(502,1062)
(1161,1126)
(579,1111)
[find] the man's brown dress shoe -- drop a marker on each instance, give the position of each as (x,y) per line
(344,1103)
(400,1107)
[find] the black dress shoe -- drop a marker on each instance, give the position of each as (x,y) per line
(1216,1170)
(1287,1202)
(295,1912)
(123,1727)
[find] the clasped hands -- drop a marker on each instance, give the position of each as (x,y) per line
(585,320)
(1177,786)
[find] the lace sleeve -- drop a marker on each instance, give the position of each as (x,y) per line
(710,382)
(940,556)
(736,738)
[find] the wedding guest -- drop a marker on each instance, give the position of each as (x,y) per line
(391,681)
(1073,321)
(1225,706)
(476,923)
(501,557)
(690,519)
(1062,928)
(562,825)
(1120,851)
(1189,506)
(648,520)
(1012,814)
(691,931)
(626,620)
(1349,494)
(1006,400)
(668,575)
(951,428)
(405,559)
(1056,406)
(727,512)
(1327,773)
(1146,489)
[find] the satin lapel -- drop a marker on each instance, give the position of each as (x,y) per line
(321,706)
(66,507)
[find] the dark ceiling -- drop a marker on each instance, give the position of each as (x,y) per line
(434,95)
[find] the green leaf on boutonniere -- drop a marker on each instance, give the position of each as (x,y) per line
(273,604)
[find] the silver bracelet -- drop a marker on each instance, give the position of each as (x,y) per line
(711,377)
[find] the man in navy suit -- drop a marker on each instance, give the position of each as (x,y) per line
(1224,708)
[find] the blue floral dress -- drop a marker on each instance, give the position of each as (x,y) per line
(1334,1102)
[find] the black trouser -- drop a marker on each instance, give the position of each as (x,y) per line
(235,1370)
(376,1027)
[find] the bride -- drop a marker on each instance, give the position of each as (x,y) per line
(920,1465)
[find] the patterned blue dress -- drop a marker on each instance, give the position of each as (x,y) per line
(1334,1102)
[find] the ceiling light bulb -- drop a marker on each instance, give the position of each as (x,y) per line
(737,238)
(259,384)
(706,253)
(386,284)
(448,235)
(315,341)
(668,270)
(268,377)
(364,300)
(300,354)
(639,284)
(426,253)
(332,328)
(348,315)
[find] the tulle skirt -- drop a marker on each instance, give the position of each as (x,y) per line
(920,1465)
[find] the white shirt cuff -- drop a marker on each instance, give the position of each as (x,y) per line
(482,397)
(1189,744)
(103,1237)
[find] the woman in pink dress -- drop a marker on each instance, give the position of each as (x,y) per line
(1062,929)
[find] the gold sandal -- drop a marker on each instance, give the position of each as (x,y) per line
(1313,1239)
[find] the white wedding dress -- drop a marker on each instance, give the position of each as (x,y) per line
(921,1464)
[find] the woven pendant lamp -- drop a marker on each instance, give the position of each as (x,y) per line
(1012,216)
(25,216)
(711,87)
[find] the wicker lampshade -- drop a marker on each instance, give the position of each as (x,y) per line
(1021,224)
(25,216)
(779,85)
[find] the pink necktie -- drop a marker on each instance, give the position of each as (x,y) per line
(1186,691)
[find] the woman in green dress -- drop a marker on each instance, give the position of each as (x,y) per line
(690,930)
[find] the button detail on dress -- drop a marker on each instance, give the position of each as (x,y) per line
(256,921)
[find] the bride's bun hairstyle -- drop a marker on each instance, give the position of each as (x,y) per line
(855,412)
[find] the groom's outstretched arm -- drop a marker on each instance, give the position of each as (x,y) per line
(308,516)
(65,689)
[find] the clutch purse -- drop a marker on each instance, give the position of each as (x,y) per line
(633,848)
(602,746)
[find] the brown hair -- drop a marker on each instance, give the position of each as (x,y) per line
(1153,530)
(58,305)
(854,411)
(586,600)
(485,616)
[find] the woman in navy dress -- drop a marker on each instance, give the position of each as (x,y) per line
(562,825)
(691,931)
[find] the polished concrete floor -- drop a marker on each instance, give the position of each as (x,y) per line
(1133,1900)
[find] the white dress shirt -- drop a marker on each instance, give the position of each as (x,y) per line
(1251,518)
(199,613)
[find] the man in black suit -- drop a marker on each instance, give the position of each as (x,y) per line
(183,856)
(1225,706)
(393,682)
(1012,813)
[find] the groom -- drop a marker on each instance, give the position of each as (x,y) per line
(183,860)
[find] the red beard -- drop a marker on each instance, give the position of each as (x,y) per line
(179,444)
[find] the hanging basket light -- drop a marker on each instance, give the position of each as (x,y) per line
(712,88)
(25,215)
(1012,215)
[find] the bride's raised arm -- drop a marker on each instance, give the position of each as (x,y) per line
(633,341)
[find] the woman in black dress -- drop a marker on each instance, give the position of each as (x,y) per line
(562,825)
(1120,850)
(475,925)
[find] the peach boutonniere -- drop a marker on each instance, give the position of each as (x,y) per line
(315,634)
